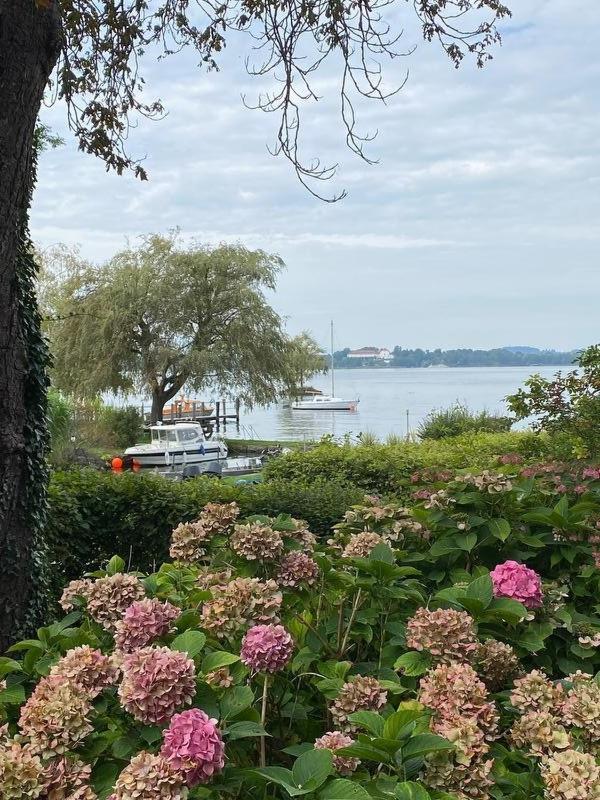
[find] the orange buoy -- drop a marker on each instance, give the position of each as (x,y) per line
(116,464)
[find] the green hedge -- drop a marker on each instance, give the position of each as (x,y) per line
(387,468)
(93,515)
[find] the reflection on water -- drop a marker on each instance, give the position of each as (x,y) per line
(386,395)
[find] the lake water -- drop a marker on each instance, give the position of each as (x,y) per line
(391,401)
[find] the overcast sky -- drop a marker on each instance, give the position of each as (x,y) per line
(479,226)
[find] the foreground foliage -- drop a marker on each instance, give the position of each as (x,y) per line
(446,650)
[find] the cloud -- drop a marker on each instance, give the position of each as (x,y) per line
(478,225)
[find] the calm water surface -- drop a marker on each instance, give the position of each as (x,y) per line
(386,395)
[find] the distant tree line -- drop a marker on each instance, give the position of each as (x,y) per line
(498,357)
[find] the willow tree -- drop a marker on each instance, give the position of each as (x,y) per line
(91,53)
(159,317)
(305,359)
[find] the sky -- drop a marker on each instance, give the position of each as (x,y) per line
(479,225)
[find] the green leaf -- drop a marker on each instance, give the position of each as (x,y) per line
(343,789)
(425,743)
(413,663)
(190,642)
(116,564)
(283,777)
(312,769)
(366,752)
(409,790)
(26,644)
(12,695)
(481,589)
(217,660)
(104,776)
(466,541)
(370,720)
(125,747)
(382,552)
(244,730)
(235,701)
(401,718)
(9,665)
(151,733)
(499,528)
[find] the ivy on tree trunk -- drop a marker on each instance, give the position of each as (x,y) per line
(29,43)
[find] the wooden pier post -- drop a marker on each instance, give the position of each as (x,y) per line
(237,414)
(224,414)
(218,413)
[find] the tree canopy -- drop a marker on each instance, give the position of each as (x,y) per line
(105,45)
(159,317)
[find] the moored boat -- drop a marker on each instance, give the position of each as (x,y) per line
(179,444)
(325,403)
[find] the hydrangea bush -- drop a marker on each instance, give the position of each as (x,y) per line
(442,649)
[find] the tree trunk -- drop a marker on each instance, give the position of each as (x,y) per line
(29,44)
(158,401)
(161,396)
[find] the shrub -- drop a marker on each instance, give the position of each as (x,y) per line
(411,671)
(93,514)
(387,469)
(122,427)
(458,419)
(567,403)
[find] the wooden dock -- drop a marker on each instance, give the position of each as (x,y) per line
(209,416)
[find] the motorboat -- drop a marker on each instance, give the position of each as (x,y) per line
(177,445)
(325,403)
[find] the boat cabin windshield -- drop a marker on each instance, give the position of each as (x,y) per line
(163,435)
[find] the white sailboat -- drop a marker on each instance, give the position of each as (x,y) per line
(326,402)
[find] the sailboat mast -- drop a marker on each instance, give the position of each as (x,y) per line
(332,370)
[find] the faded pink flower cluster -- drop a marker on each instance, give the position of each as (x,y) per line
(149,777)
(87,667)
(256,542)
(447,634)
(56,716)
(518,582)
(454,691)
(267,648)
(106,598)
(143,622)
(464,771)
(535,692)
(464,715)
(193,747)
(570,775)
(67,779)
(497,664)
(240,603)
(360,545)
(189,540)
(359,693)
(157,681)
(297,568)
(336,740)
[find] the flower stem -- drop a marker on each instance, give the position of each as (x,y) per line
(263,718)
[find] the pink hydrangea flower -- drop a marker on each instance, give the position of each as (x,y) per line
(143,622)
(193,746)
(267,648)
(157,681)
(518,582)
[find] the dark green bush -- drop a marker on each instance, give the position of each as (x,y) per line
(386,469)
(93,515)
(458,419)
(124,426)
